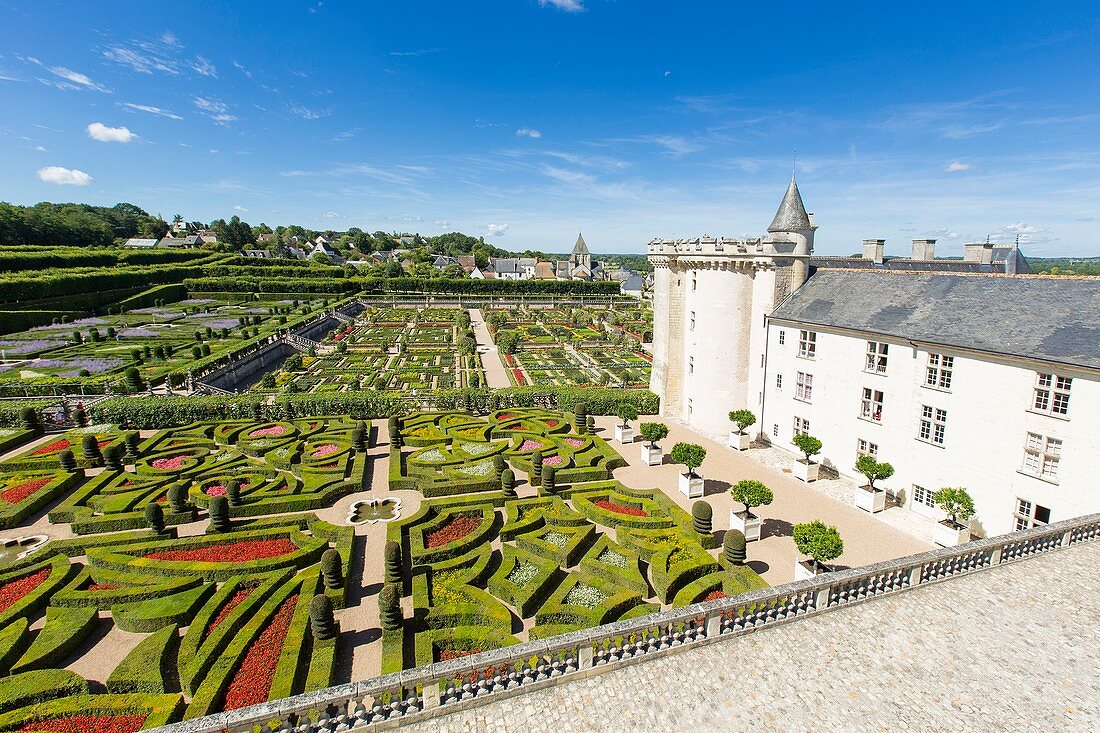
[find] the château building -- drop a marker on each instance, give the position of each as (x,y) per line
(959,372)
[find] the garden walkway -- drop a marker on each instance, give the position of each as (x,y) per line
(866,539)
(496,376)
(1011,649)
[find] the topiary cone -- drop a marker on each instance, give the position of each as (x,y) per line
(132,440)
(112,457)
(332,568)
(508,483)
(154,517)
(733,547)
(321,619)
(701,515)
(499,465)
(536,468)
(177,498)
(389,608)
(233,492)
(549,480)
(89,446)
(67,460)
(392,555)
(219,514)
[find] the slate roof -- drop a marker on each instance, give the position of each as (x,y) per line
(904,263)
(791,216)
(1048,318)
(580,248)
(633,284)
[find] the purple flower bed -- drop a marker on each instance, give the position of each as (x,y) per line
(29,347)
(135,333)
(196,301)
(95,366)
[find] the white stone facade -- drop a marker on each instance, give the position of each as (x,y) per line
(989,414)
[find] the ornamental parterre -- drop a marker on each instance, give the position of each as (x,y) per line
(616,508)
(243,551)
(251,683)
(87,724)
(19,492)
(455,529)
(15,590)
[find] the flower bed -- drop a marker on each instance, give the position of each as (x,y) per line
(55,447)
(455,529)
(214,490)
(630,511)
(325,450)
(552,461)
(169,464)
(18,493)
(238,597)
(530,445)
(520,381)
(482,468)
(522,574)
(584,595)
(554,537)
(14,591)
(575,442)
(266,432)
(251,683)
(613,558)
(244,551)
(448,653)
(714,595)
(88,724)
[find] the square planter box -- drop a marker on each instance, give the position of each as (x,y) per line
(739,441)
(805,471)
(946,534)
(690,487)
(654,456)
(803,569)
(870,500)
(749,526)
(624,435)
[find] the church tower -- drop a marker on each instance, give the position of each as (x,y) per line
(580,256)
(710,299)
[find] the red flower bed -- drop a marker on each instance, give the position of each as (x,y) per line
(252,681)
(88,724)
(55,447)
(449,653)
(169,464)
(13,591)
(102,586)
(18,493)
(621,508)
(551,423)
(714,595)
(453,530)
(519,377)
(235,600)
(243,551)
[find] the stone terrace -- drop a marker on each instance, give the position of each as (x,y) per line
(1014,648)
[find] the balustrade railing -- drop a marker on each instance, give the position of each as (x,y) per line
(459,683)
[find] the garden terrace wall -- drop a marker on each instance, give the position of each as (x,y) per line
(430,691)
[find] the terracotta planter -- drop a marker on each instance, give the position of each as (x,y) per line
(624,435)
(691,486)
(870,500)
(805,471)
(749,525)
(654,456)
(739,441)
(947,534)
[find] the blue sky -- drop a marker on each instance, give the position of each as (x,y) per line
(526,120)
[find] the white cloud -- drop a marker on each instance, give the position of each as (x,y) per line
(569,6)
(497,230)
(102,133)
(442,223)
(168,38)
(64,176)
(240,67)
(528,132)
(40,149)
(956,166)
(214,109)
(307,113)
(143,59)
(240,208)
(668,74)
(330,215)
(204,67)
(70,80)
(417,52)
(151,110)
(565,175)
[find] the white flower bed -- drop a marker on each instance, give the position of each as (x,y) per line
(484,468)
(611,557)
(584,595)
(555,537)
(93,429)
(432,456)
(522,574)
(477,449)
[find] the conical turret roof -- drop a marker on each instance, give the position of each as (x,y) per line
(580,248)
(791,216)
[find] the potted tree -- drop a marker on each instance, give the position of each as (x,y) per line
(691,455)
(820,542)
(750,493)
(806,470)
(652,433)
(870,498)
(955,530)
(738,438)
(624,433)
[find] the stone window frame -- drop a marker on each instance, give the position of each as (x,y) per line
(933,425)
(1042,456)
(876,357)
(1050,395)
(939,371)
(871,405)
(807,344)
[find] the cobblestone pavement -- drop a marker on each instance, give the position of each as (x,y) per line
(1010,649)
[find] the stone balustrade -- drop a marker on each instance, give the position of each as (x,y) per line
(438,689)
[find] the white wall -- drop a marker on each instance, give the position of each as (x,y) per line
(988,418)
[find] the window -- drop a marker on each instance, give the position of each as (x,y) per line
(693,320)
(871,406)
(693,281)
(1041,456)
(804,387)
(801,426)
(876,357)
(1030,515)
(866,448)
(782,337)
(939,371)
(807,344)
(779,381)
(690,407)
(923,496)
(1052,394)
(933,424)
(775,430)
(691,365)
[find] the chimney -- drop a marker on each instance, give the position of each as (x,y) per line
(981,252)
(873,250)
(924,249)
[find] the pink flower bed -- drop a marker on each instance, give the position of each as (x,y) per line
(530,444)
(325,450)
(169,464)
(268,432)
(552,461)
(575,442)
(215,490)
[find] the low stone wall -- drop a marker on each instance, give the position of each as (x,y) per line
(243,373)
